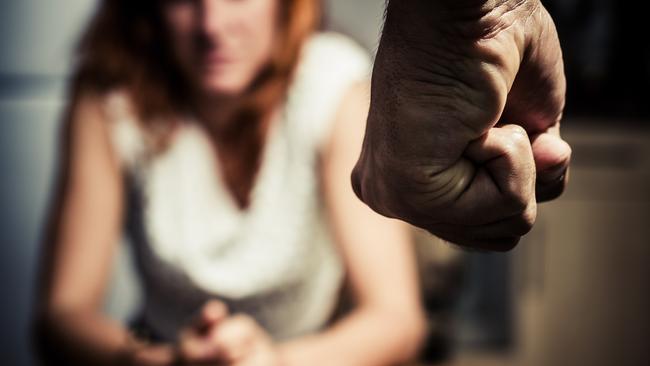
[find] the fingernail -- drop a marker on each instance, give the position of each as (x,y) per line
(554,174)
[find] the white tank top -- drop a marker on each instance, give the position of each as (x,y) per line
(275,261)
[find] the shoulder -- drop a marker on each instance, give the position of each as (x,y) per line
(109,107)
(113,113)
(330,65)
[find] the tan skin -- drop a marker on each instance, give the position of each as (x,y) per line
(463,133)
(386,325)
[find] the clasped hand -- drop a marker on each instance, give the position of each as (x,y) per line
(214,338)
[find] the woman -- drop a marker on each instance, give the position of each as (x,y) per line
(222,134)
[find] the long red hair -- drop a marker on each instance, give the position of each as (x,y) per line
(125,47)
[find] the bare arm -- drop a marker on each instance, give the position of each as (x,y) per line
(85,225)
(386,326)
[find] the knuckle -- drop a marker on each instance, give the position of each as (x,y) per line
(356,179)
(526,221)
(518,140)
(518,196)
(516,200)
(517,133)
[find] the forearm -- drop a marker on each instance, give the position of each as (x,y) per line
(366,337)
(82,338)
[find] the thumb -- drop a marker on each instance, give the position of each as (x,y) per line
(552,157)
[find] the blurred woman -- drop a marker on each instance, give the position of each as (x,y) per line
(221,135)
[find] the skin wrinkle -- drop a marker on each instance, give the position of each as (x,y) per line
(442,82)
(456,174)
(455,179)
(518,227)
(466,19)
(514,217)
(459,177)
(444,182)
(453,56)
(447,100)
(403,90)
(390,206)
(453,75)
(540,113)
(499,19)
(447,79)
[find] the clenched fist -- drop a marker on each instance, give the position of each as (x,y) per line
(463,131)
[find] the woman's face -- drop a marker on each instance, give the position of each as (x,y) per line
(221,45)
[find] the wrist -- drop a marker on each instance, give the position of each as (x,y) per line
(464,19)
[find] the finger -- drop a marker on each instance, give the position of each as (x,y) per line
(194,343)
(552,157)
(235,337)
(500,244)
(442,188)
(194,348)
(498,236)
(210,314)
(551,154)
(504,183)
